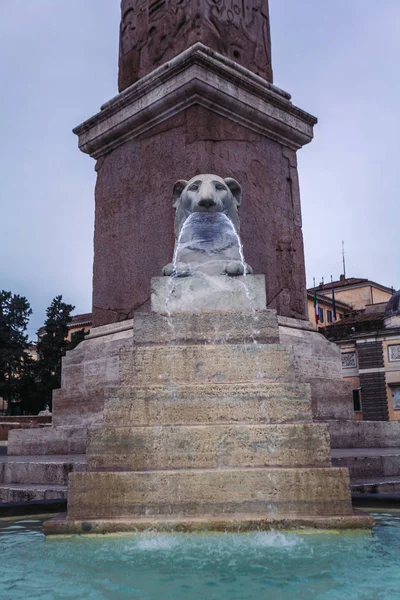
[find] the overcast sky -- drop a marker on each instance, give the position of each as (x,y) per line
(339,60)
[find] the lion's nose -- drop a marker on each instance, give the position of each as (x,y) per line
(207,202)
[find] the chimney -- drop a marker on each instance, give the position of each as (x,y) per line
(342,278)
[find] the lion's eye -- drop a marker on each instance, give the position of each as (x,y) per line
(220,186)
(193,188)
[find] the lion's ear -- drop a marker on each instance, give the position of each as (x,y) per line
(235,188)
(179,186)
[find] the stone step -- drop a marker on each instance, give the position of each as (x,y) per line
(267,492)
(49,440)
(203,293)
(368,462)
(210,328)
(376,485)
(39,469)
(23,492)
(209,447)
(210,403)
(202,364)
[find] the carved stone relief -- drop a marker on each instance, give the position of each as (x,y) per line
(394,352)
(349,360)
(154,31)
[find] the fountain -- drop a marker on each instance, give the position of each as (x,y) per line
(209,428)
(199,397)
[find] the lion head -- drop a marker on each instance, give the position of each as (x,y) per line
(206,193)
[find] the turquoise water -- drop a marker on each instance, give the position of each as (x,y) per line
(248,566)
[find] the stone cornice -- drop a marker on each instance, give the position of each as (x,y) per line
(196,76)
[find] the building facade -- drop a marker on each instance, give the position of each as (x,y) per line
(369,340)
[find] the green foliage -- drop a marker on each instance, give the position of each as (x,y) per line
(14,317)
(22,379)
(51,347)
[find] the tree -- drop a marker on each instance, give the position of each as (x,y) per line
(51,347)
(14,317)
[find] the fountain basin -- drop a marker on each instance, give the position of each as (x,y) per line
(223,566)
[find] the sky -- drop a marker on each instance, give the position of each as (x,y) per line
(340,62)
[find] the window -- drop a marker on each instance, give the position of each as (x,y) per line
(396,396)
(357,400)
(341,316)
(321,315)
(329,316)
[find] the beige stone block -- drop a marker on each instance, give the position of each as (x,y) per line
(47,440)
(208,403)
(210,327)
(209,446)
(201,363)
(267,492)
(205,293)
(61,525)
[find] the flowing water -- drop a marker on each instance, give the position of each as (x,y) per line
(243,566)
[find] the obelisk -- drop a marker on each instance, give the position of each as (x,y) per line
(196,96)
(153,32)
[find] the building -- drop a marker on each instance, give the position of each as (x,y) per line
(325,308)
(356,292)
(369,340)
(75,325)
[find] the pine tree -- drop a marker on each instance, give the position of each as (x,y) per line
(14,317)
(52,346)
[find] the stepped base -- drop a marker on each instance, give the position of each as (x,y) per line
(274,493)
(47,441)
(30,492)
(42,470)
(368,462)
(234,523)
(208,447)
(198,404)
(376,485)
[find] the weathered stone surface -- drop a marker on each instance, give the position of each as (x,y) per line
(86,372)
(207,447)
(206,404)
(317,361)
(212,328)
(202,293)
(376,485)
(154,32)
(202,364)
(28,492)
(331,398)
(368,462)
(364,434)
(7,423)
(254,492)
(40,470)
(51,440)
(62,526)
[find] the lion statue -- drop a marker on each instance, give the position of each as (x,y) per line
(207,228)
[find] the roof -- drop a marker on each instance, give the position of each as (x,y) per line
(357,322)
(351,282)
(84,318)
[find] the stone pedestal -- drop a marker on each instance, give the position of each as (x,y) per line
(212,433)
(199,113)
